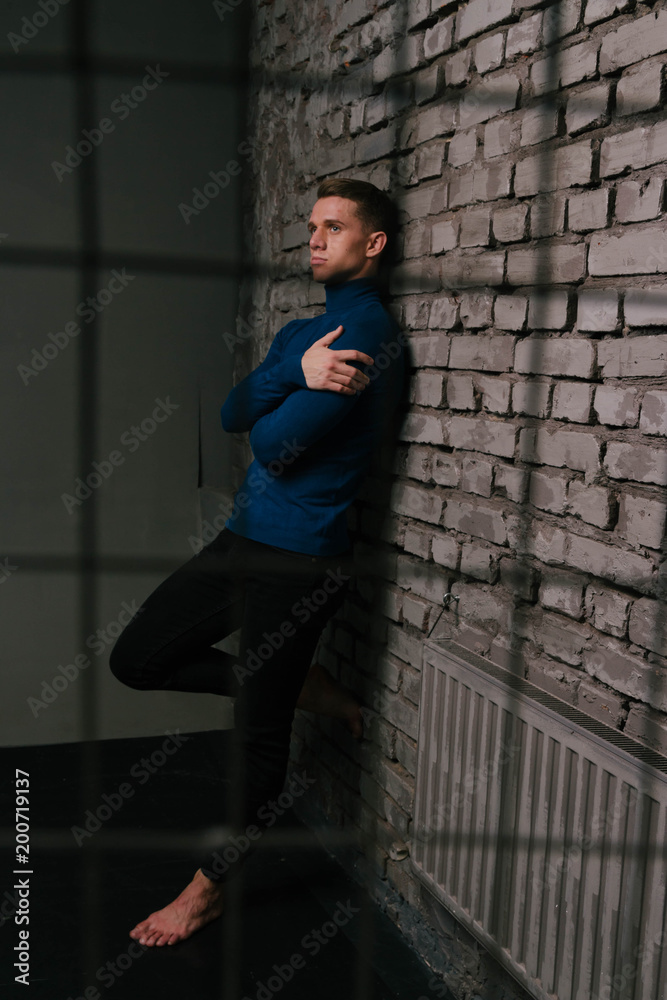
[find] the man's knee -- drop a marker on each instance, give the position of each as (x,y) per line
(126,668)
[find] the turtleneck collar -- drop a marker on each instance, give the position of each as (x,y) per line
(352,294)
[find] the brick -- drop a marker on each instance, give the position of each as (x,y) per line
(415,502)
(510,312)
(548,491)
(560,19)
(637,250)
(497,137)
(555,263)
(429,164)
(591,503)
(637,462)
(531,398)
(480,15)
(418,463)
(567,166)
(479,562)
(415,314)
(628,674)
(482,353)
(597,310)
(588,211)
(460,188)
(495,393)
(444,313)
(577,450)
(642,521)
(601,10)
(402,715)
(547,215)
(600,703)
(410,53)
(445,235)
(616,407)
(653,418)
(608,562)
(509,224)
(494,96)
(422,578)
(431,351)
(416,239)
(608,610)
(421,202)
(641,147)
(634,41)
(437,121)
(538,125)
(572,356)
(648,625)
(646,307)
(462,148)
(376,145)
(544,542)
(492,182)
(446,551)
(519,579)
(475,227)
(489,53)
(439,38)
(429,388)
(645,724)
(476,310)
(418,13)
(457,68)
(562,639)
(555,678)
(476,476)
(512,481)
(572,401)
(446,471)
(562,591)
(639,89)
(576,63)
(428,84)
(461,393)
(633,356)
(484,606)
(524,37)
(422,427)
(473,270)
(588,109)
(478,434)
(548,310)
(637,202)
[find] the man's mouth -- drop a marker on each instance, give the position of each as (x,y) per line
(318,260)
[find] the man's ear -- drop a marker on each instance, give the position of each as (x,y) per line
(376,244)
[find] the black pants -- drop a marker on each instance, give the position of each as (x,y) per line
(281,601)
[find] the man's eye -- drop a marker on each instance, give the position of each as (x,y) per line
(334,227)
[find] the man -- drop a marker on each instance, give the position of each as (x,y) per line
(281,566)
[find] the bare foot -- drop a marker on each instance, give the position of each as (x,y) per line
(198,904)
(321,694)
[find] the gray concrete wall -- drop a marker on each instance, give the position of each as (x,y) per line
(160,348)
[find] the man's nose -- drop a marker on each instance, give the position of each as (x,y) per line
(316,239)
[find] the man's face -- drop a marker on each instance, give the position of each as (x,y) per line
(340,248)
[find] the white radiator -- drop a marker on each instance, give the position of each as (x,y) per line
(542,831)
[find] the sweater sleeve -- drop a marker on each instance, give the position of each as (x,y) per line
(264,389)
(306,415)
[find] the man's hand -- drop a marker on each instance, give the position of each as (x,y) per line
(327,369)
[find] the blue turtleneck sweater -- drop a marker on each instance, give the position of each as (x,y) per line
(312,446)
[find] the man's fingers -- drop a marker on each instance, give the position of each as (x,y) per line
(350,355)
(328,337)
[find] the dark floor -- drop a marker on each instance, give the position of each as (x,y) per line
(83,901)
